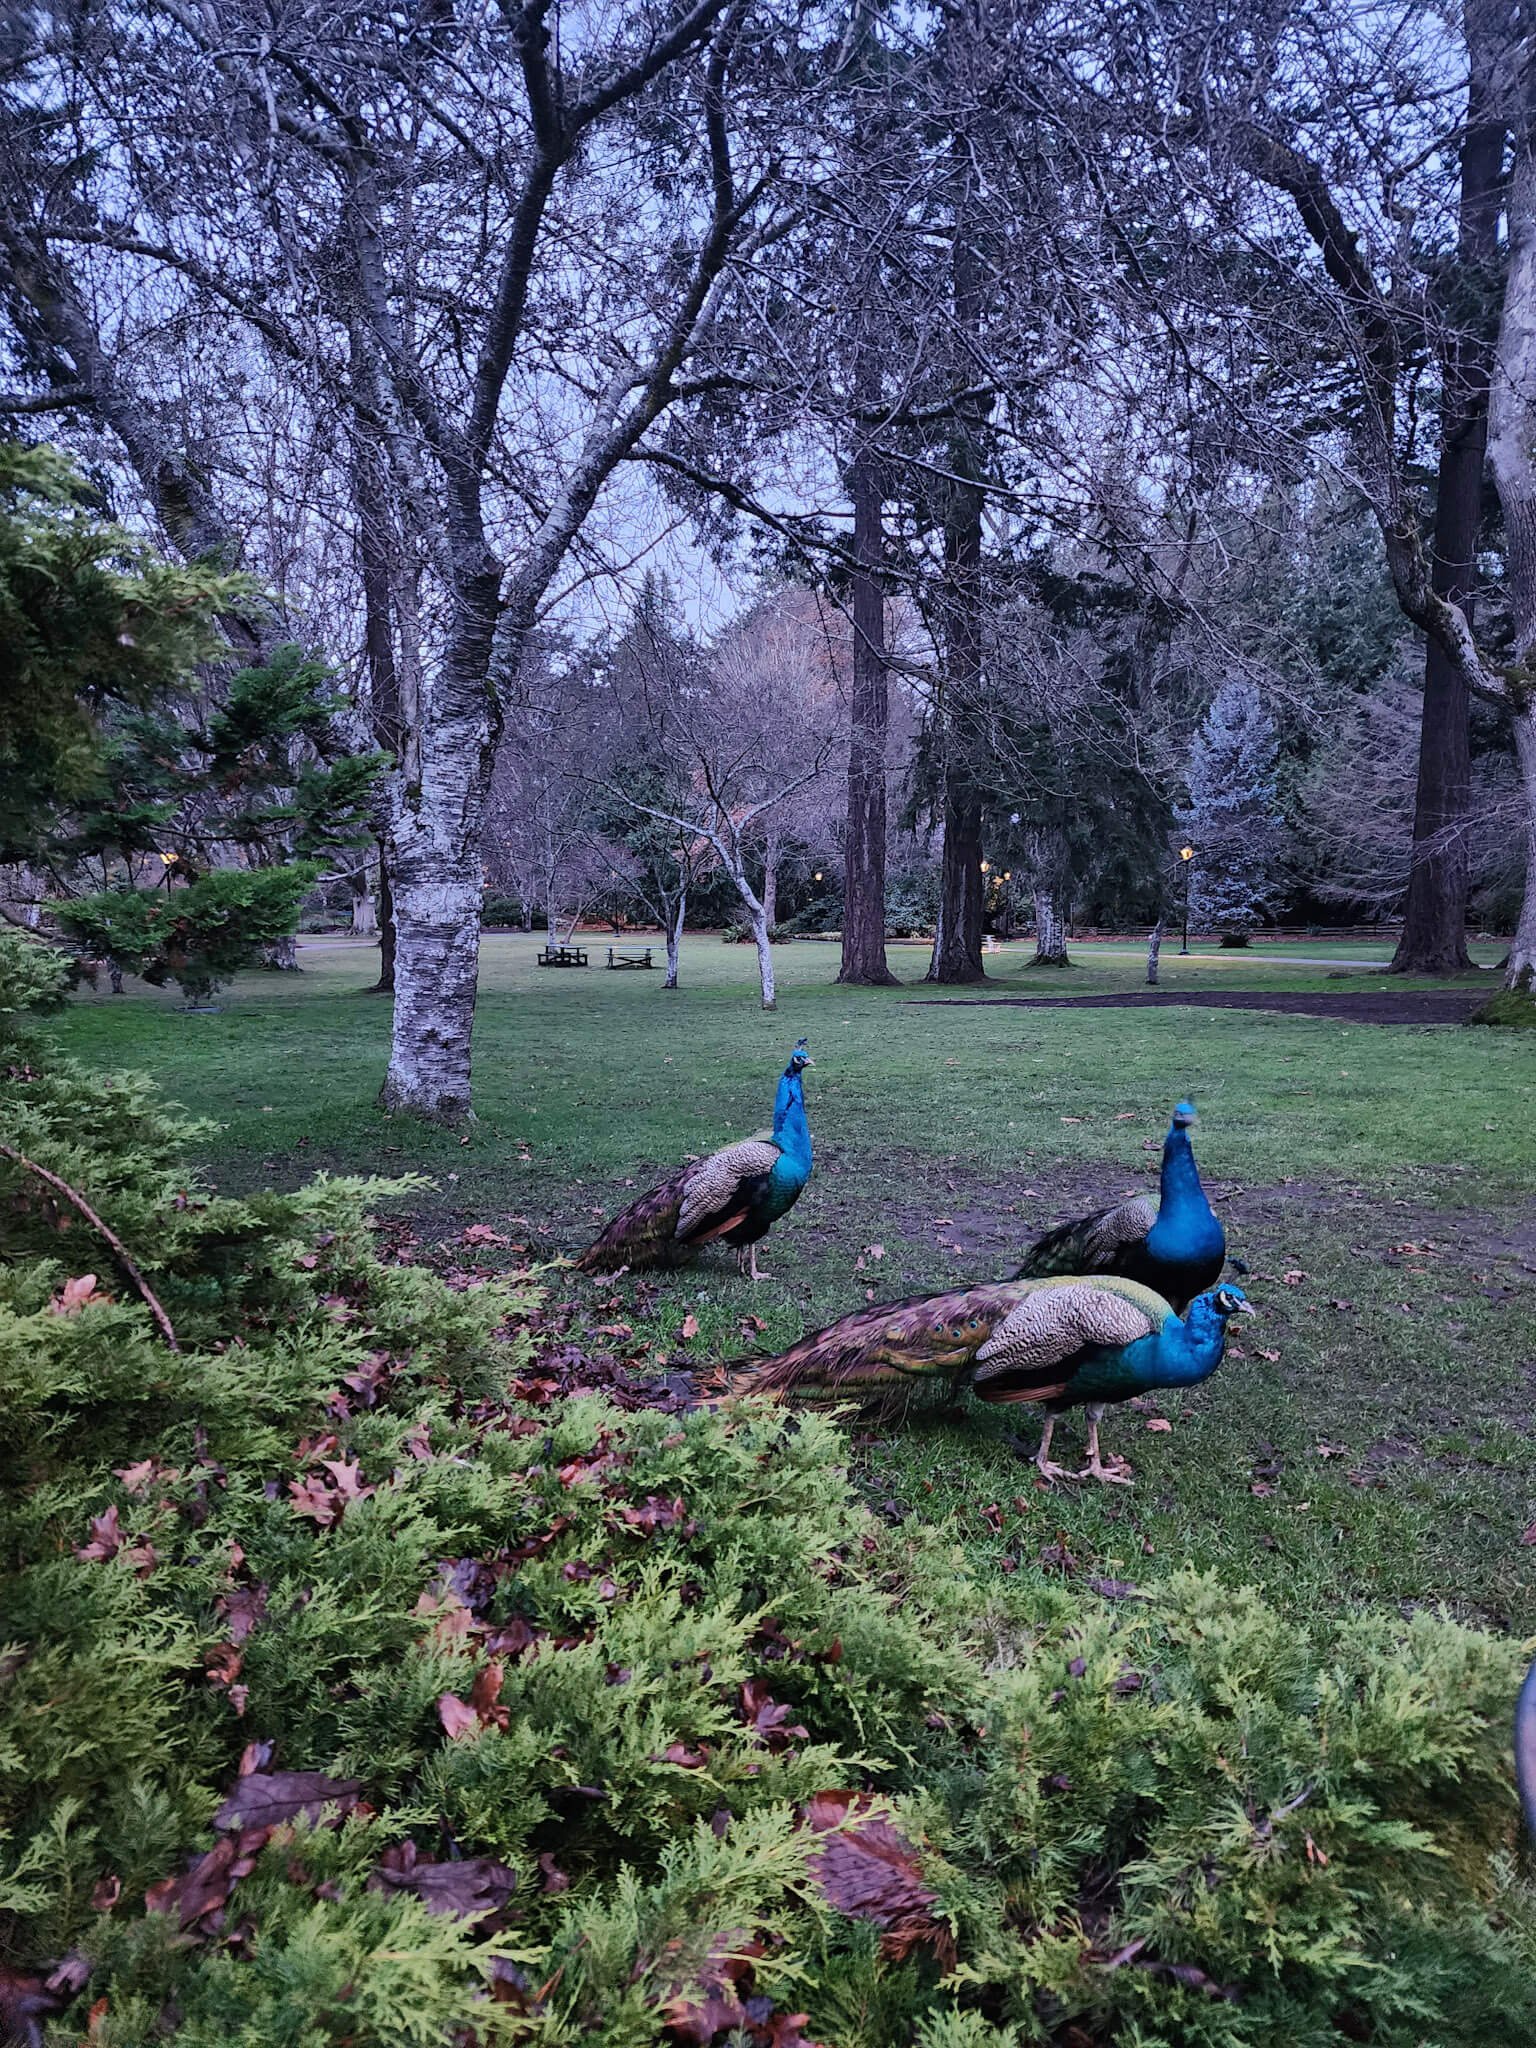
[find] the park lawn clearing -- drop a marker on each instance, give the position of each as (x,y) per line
(1371,1445)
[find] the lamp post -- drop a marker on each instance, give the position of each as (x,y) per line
(1186,856)
(169,861)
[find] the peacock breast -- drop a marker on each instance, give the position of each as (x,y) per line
(783,1184)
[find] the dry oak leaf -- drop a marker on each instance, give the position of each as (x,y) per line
(206,1886)
(24,2001)
(471,1889)
(270,1798)
(106,1539)
(482,1233)
(690,1327)
(75,1295)
(459,1719)
(223,1664)
(1158,1423)
(767,1717)
(867,1869)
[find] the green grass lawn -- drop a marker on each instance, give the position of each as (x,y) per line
(1370,1439)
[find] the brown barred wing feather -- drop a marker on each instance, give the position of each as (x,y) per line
(1053,1325)
(715,1196)
(1096,1243)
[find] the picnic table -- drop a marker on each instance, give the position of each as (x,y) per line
(642,958)
(563,956)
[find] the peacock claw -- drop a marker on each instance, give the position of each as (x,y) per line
(1097,1469)
(1049,1469)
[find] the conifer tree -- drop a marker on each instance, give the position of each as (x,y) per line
(126,756)
(1232,819)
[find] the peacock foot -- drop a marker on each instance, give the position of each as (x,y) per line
(1043,1464)
(1115,1473)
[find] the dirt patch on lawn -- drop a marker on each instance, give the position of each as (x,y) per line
(1359,1006)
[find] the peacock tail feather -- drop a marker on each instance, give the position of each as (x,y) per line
(644,1234)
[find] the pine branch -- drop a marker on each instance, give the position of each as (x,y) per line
(119,1249)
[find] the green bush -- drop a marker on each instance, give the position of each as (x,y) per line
(34,977)
(507,911)
(199,935)
(683,1741)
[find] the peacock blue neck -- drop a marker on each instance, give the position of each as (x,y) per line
(1186,1224)
(1190,1351)
(791,1132)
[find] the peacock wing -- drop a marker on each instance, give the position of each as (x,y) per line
(715,1195)
(877,1349)
(1037,1344)
(1096,1243)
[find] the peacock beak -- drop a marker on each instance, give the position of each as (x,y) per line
(1246,1308)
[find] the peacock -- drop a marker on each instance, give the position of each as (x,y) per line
(735,1194)
(1177,1249)
(1525,1748)
(1064,1342)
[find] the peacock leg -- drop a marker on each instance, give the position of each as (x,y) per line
(1095,1467)
(1043,1462)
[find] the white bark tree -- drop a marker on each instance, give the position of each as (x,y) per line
(744,734)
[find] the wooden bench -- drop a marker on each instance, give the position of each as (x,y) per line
(563,956)
(641,959)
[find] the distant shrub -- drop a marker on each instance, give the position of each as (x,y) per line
(34,977)
(506,911)
(199,935)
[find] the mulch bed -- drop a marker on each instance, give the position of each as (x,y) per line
(1359,1006)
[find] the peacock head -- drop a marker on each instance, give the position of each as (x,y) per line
(799,1059)
(1183,1115)
(1209,1314)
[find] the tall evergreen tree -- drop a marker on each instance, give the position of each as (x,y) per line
(1232,818)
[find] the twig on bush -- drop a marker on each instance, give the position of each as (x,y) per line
(119,1249)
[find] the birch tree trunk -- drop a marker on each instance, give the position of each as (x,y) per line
(1154,949)
(1050,932)
(674,939)
(757,917)
(771,882)
(764,946)
(364,916)
(434,863)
